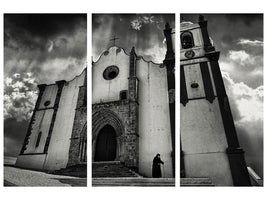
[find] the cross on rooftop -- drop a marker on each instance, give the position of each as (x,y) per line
(114,40)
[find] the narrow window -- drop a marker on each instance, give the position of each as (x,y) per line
(38,139)
(187,40)
(123,94)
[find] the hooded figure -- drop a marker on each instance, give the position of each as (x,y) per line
(156,171)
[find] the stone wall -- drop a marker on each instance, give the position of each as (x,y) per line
(77,152)
(117,114)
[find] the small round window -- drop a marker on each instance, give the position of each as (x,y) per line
(47,103)
(111,72)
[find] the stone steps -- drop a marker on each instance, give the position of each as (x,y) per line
(111,169)
(79,170)
(196,182)
(134,181)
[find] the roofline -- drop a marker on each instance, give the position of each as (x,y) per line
(148,61)
(65,80)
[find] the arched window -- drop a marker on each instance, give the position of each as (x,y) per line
(187,40)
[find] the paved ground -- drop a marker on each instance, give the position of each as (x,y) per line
(21,177)
(134,181)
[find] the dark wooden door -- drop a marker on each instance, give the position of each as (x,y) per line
(106,144)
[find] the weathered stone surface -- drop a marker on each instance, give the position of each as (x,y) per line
(111,169)
(78,145)
(125,128)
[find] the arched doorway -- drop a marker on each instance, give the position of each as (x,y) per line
(106,144)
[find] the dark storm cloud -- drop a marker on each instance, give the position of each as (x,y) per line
(22,27)
(144,31)
(231,26)
(247,19)
(34,40)
(251,140)
(14,133)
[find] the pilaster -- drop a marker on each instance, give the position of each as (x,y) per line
(169,62)
(132,142)
(60,85)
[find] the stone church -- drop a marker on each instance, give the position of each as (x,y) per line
(209,143)
(133,109)
(57,133)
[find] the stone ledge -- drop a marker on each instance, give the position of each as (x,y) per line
(196,182)
(127,181)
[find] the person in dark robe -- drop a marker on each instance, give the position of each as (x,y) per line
(156,171)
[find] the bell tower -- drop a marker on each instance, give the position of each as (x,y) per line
(209,143)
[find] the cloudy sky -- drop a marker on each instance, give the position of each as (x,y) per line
(143,31)
(38,49)
(239,38)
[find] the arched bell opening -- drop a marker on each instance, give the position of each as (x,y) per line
(187,40)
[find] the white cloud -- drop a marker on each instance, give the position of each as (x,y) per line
(16,75)
(250,42)
(211,41)
(50,46)
(156,53)
(8,81)
(20,96)
(18,84)
(29,80)
(226,66)
(59,69)
(247,109)
(249,101)
(138,23)
(243,67)
(239,56)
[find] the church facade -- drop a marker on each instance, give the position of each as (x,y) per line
(131,117)
(209,143)
(57,133)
